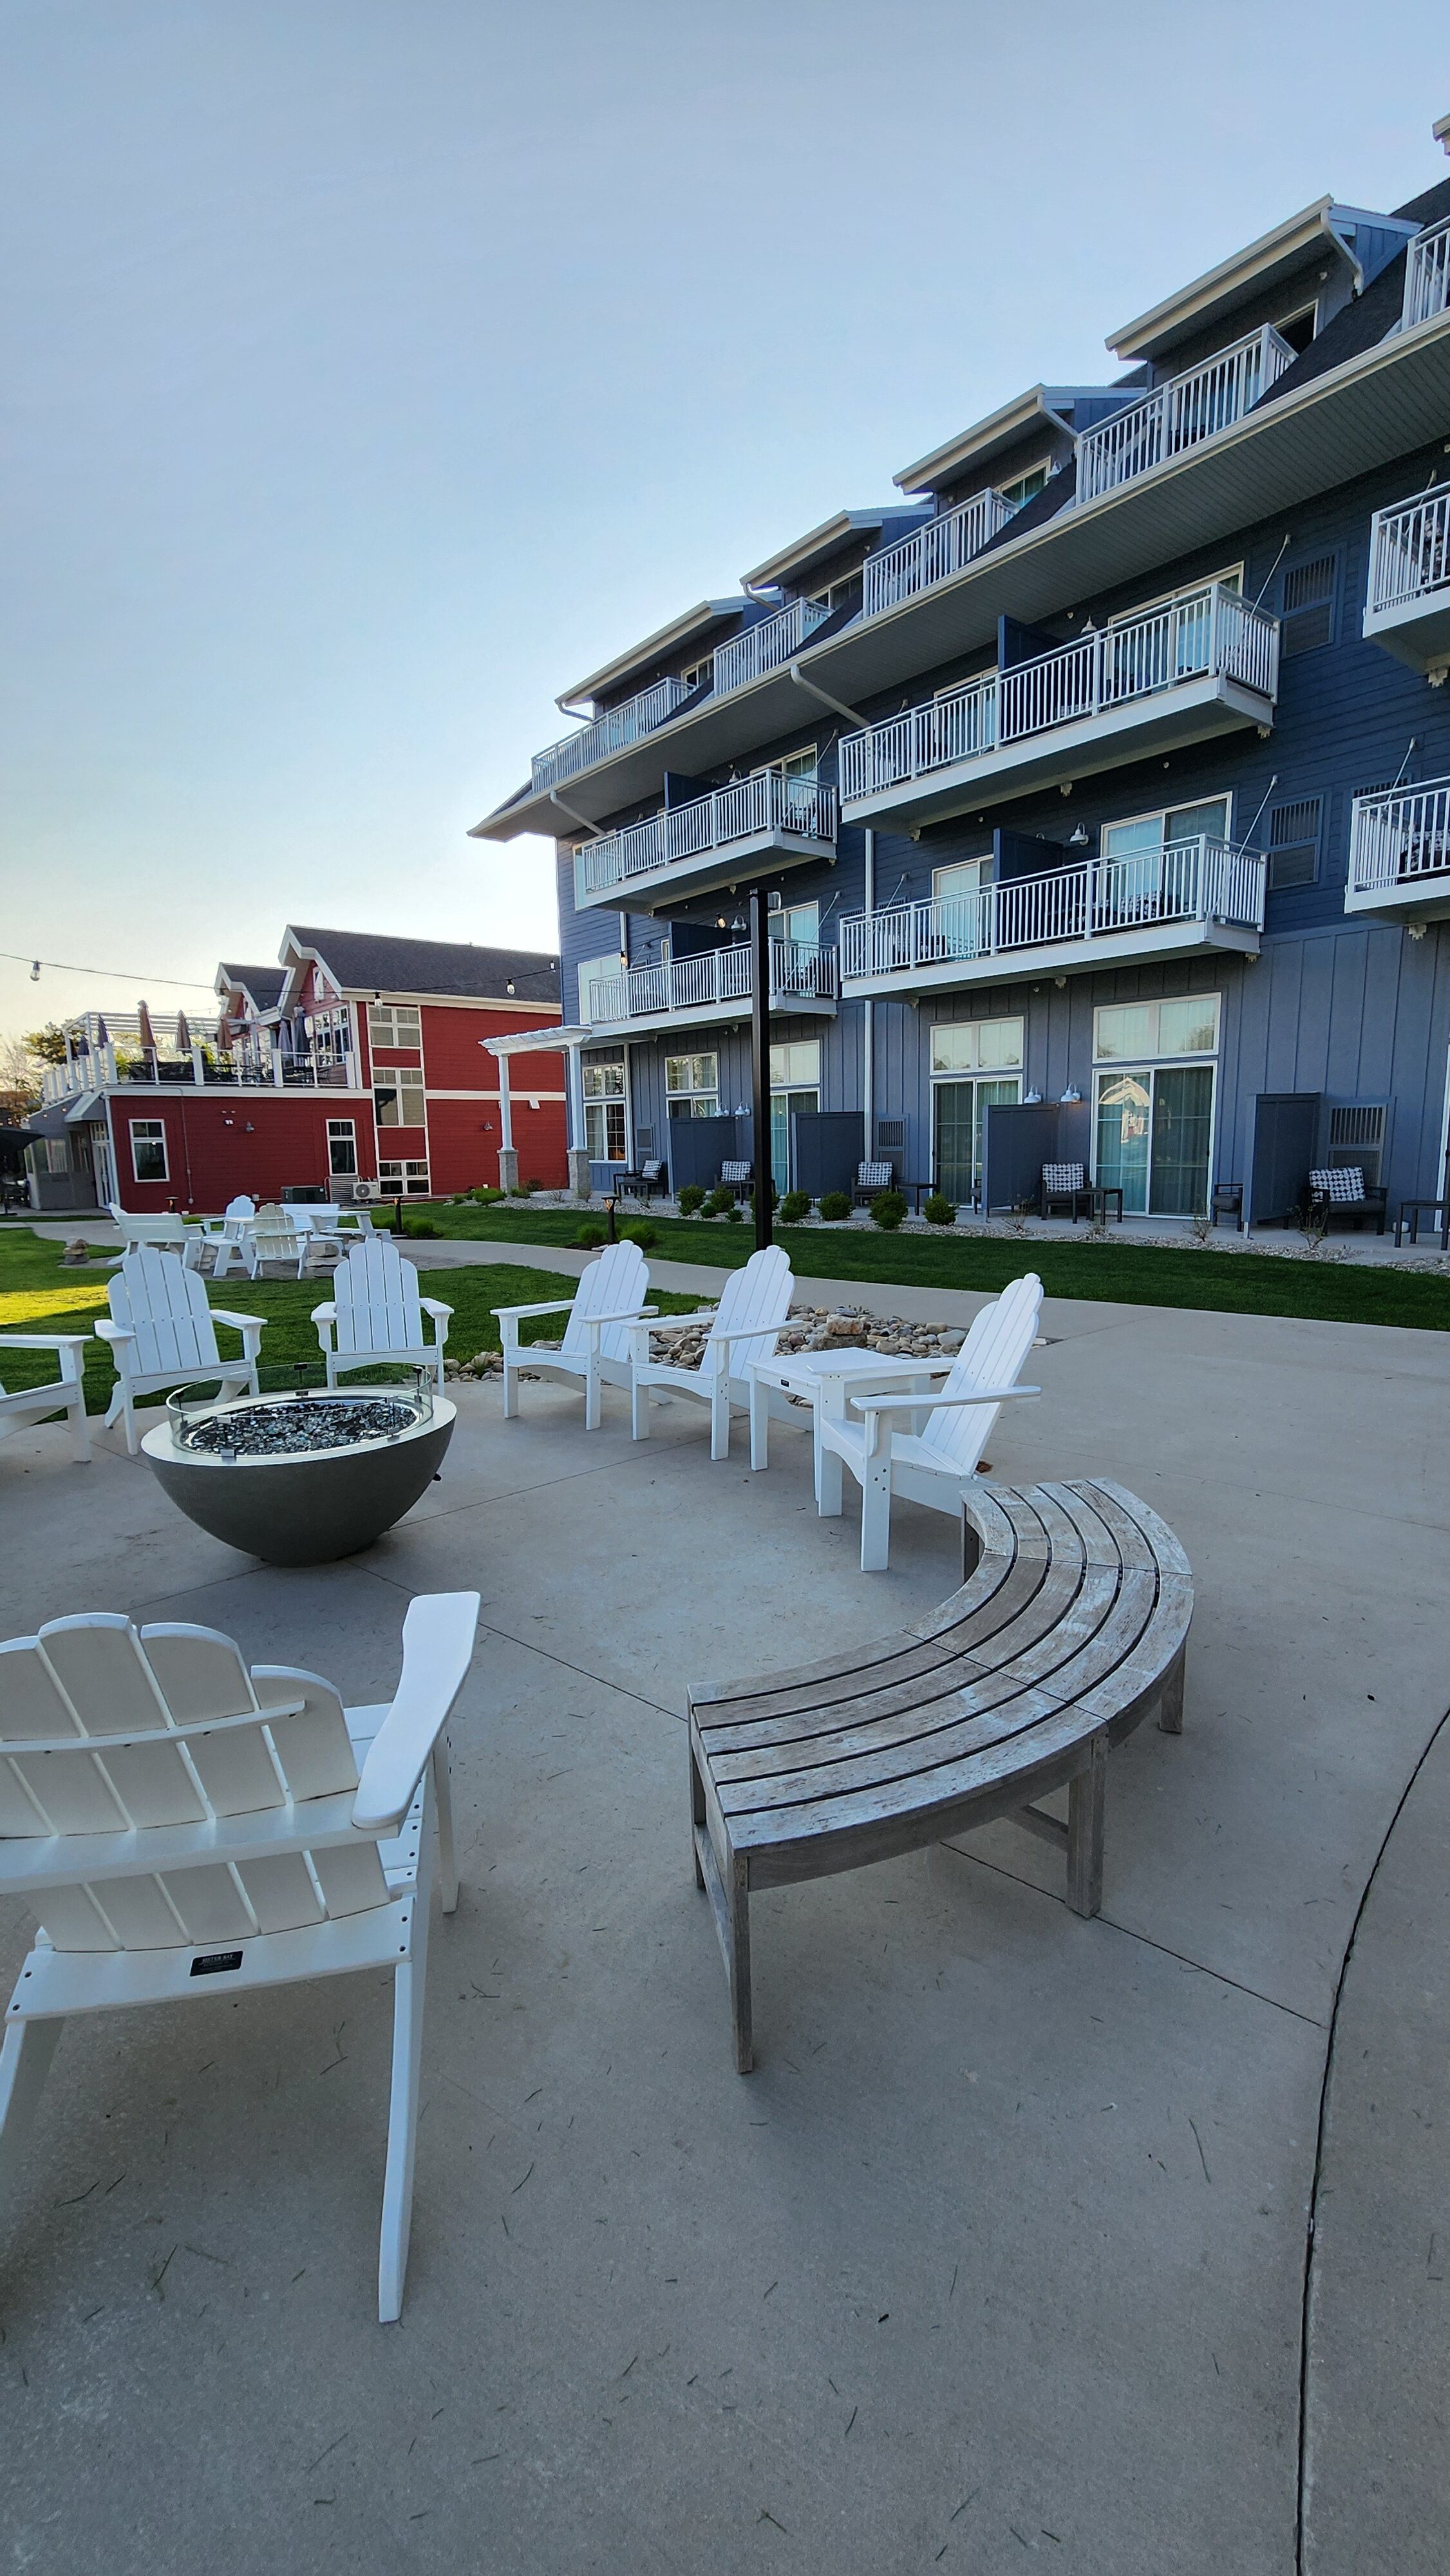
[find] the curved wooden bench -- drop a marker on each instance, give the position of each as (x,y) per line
(1071,1628)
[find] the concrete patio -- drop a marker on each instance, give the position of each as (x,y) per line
(1002,2249)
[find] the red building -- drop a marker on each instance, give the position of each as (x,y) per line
(357,1065)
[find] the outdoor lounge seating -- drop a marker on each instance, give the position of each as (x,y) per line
(739,1177)
(223,1235)
(375,1314)
(1338,1195)
(643,1183)
(162,1332)
(65,1394)
(595,1347)
(1070,1630)
(938,1467)
(274,1241)
(1066,1191)
(754,1304)
(185,1829)
(168,1233)
(871,1180)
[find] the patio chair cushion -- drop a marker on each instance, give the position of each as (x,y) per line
(874,1176)
(1344,1183)
(1064,1176)
(735,1171)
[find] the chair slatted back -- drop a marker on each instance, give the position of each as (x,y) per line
(157,1298)
(106,1730)
(874,1176)
(376,1294)
(993,1354)
(241,1208)
(758,1294)
(734,1172)
(619,1278)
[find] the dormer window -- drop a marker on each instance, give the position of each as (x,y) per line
(1299,328)
(1025,488)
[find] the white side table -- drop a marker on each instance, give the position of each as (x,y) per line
(823,1380)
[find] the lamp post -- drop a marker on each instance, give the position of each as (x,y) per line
(760,1060)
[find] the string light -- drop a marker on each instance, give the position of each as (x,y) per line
(117,974)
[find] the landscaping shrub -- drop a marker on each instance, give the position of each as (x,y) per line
(734,1213)
(795,1205)
(419,1225)
(485,1197)
(589,1238)
(691,1198)
(643,1235)
(939,1210)
(835,1206)
(720,1201)
(887,1209)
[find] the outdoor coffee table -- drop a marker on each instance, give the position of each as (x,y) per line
(825,1380)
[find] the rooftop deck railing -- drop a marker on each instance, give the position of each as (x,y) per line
(109,1048)
(1210,632)
(1427,277)
(1397,839)
(799,973)
(608,733)
(1180,414)
(767,802)
(1196,880)
(934,553)
(1409,551)
(766,646)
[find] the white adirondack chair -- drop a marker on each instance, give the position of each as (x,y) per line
(65,1394)
(223,1235)
(184,1828)
(162,1331)
(744,1326)
(275,1238)
(168,1233)
(936,1467)
(376,1313)
(595,1347)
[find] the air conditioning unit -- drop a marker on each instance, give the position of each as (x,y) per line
(359,1193)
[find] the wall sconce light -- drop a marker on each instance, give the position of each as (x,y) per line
(1071,1093)
(1078,840)
(249,1129)
(1031,1099)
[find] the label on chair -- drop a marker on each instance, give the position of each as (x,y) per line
(215,1963)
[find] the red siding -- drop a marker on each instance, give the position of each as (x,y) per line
(219,1143)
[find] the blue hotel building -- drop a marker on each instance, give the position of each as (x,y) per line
(1107,768)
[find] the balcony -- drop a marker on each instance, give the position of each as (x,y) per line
(1196,667)
(1427,277)
(766,647)
(716,840)
(936,551)
(1179,415)
(608,733)
(107,1051)
(1407,607)
(1192,895)
(693,991)
(1399,853)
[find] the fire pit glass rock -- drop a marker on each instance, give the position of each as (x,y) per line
(301,1478)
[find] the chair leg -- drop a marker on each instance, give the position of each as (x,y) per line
(1086,1805)
(830,1486)
(876,1514)
(128,1415)
(1170,1706)
(443,1792)
(720,1418)
(639,1410)
(592,1410)
(24,2066)
(409,1981)
(80,1436)
(759,1425)
(510,1389)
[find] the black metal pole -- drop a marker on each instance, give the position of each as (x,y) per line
(760,1060)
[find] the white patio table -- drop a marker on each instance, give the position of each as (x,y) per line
(823,1380)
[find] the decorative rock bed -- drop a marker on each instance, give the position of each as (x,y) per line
(300,1479)
(811,1328)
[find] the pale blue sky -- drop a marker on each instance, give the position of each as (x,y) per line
(375,369)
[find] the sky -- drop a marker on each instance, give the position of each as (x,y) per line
(372,369)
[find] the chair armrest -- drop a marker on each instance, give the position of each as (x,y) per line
(626,1315)
(107,1331)
(325,1314)
(242,1324)
(681,1323)
(438,1635)
(746,1333)
(939,1403)
(44,1341)
(550,1306)
(431,1306)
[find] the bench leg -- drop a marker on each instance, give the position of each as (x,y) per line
(697,1815)
(1086,1802)
(730,1906)
(1170,1706)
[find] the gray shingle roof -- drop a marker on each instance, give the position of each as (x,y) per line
(264,983)
(363,963)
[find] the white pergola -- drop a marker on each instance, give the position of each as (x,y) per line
(557,1040)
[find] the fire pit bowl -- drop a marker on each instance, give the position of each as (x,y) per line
(306,1476)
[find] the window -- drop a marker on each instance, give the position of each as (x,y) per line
(796,1062)
(1177,823)
(606,1004)
(403,1180)
(56,1150)
(1025,488)
(1298,328)
(697,674)
(796,764)
(398,1098)
(692,1085)
(976,1046)
(1153,1128)
(795,1079)
(970,1061)
(1187,1027)
(395,1024)
(330,1034)
(1294,831)
(341,1148)
(1306,605)
(604,1108)
(799,923)
(148,1149)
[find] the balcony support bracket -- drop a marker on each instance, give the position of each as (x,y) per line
(579,820)
(837,706)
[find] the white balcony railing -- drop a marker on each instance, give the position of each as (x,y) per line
(608,733)
(1427,277)
(1397,839)
(768,802)
(1409,551)
(1180,414)
(1211,632)
(936,551)
(113,1048)
(799,975)
(1197,880)
(765,647)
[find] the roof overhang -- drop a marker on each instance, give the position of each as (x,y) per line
(1000,430)
(798,561)
(1381,404)
(666,639)
(1276,255)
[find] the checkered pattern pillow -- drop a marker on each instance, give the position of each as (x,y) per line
(735,1171)
(873,1176)
(1343,1183)
(1063,1176)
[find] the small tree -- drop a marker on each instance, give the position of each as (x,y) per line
(45,1046)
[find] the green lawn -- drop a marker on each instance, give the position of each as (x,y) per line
(29,1263)
(1129,1273)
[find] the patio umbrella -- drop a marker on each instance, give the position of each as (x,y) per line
(103,1034)
(144,1031)
(183,1034)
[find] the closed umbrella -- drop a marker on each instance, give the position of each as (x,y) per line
(183,1034)
(144,1031)
(103,1034)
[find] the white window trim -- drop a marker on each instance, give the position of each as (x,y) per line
(1147,1055)
(155,1132)
(1153,1065)
(1160,813)
(979,1072)
(410,1074)
(340,1131)
(395,1042)
(1043,466)
(1184,590)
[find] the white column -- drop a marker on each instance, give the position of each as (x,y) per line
(505,1105)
